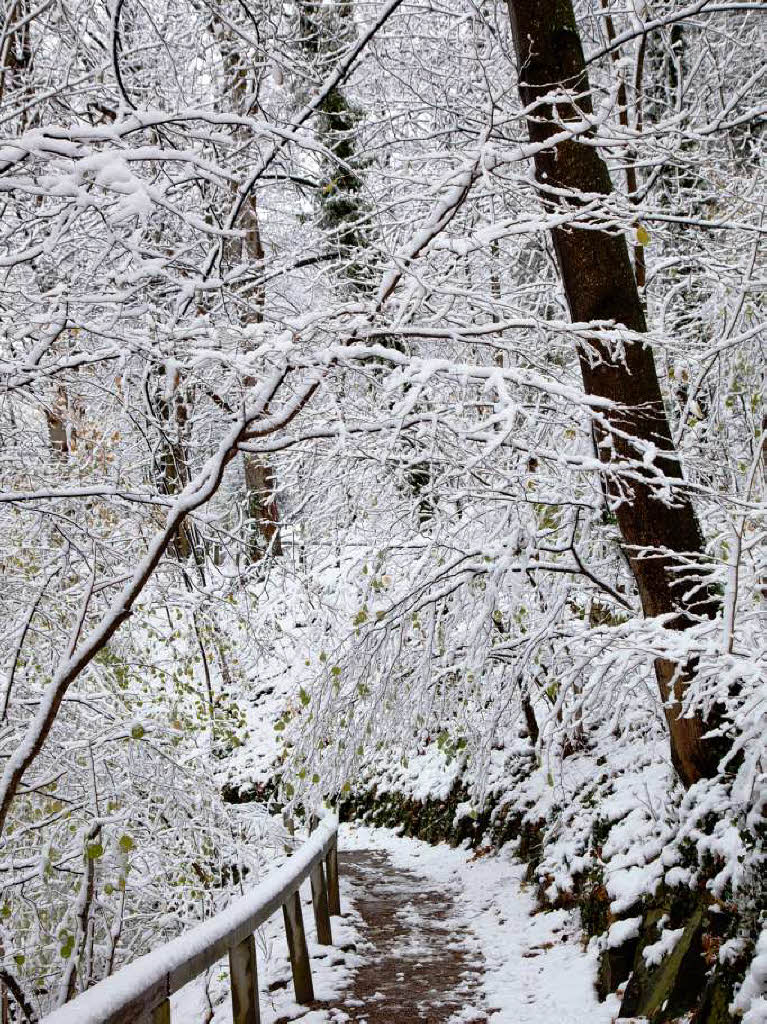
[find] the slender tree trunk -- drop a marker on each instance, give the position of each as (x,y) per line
(660,540)
(263,514)
(57,418)
(173,464)
(260,478)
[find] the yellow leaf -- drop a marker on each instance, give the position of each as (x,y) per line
(643,235)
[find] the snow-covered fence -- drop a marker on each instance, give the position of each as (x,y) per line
(140,993)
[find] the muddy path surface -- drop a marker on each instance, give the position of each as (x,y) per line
(417,965)
(416,961)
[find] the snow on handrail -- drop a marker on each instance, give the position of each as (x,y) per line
(140,992)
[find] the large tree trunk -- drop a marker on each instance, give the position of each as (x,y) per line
(600,286)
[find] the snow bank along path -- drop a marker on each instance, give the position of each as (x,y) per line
(520,967)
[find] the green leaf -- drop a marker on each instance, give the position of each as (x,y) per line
(304,696)
(94,851)
(126,843)
(137,732)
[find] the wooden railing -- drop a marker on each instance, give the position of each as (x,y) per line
(140,993)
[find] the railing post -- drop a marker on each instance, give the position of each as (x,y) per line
(299,954)
(334,894)
(320,906)
(161,1013)
(144,997)
(243,973)
(290,828)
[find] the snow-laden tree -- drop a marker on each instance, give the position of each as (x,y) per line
(375,353)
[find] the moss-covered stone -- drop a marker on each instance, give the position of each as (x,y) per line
(594,903)
(431,820)
(663,991)
(715,1005)
(615,966)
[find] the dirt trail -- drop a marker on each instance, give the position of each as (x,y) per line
(417,968)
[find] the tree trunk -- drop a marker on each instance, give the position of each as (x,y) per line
(263,513)
(262,527)
(172,462)
(599,283)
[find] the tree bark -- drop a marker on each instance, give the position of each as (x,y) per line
(662,541)
(263,513)
(262,528)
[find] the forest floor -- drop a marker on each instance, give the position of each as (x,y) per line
(430,935)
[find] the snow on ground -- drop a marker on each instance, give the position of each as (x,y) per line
(207,1000)
(753,995)
(536,971)
(535,968)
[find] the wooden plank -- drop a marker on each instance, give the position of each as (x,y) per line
(299,953)
(142,1009)
(161,1014)
(320,905)
(331,864)
(243,972)
(185,972)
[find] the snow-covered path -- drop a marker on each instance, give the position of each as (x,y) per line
(416,967)
(522,968)
(429,935)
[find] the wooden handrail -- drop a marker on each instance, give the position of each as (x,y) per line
(140,992)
